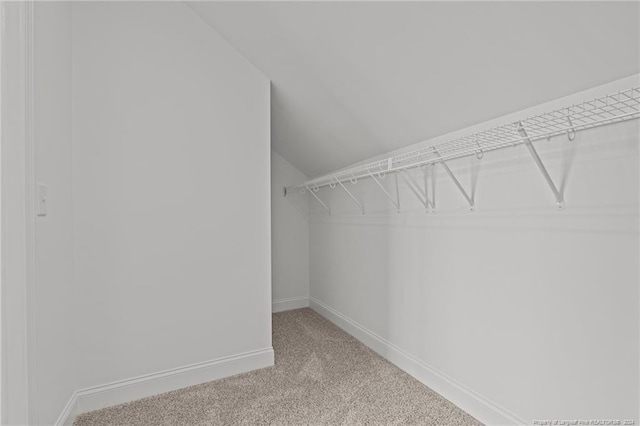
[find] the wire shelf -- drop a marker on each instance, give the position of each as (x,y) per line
(614,108)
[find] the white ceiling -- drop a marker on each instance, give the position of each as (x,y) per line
(354,80)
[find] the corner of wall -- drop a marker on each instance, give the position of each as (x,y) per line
(290,239)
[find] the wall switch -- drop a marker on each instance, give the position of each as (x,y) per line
(42,200)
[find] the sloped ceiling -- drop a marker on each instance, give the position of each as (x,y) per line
(356,79)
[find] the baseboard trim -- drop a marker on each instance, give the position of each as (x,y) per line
(69,412)
(147,385)
(289,304)
(470,401)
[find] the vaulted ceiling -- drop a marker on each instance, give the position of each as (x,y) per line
(353,80)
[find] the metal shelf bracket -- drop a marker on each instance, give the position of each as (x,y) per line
(540,164)
(312,192)
(349,193)
(417,191)
(427,171)
(395,203)
(472,206)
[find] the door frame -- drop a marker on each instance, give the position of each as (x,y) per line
(17,224)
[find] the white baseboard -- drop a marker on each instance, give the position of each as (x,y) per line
(69,412)
(476,405)
(289,304)
(147,385)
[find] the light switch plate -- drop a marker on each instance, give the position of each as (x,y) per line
(42,200)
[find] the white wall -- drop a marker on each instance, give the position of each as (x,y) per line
(533,309)
(289,238)
(171,188)
(55,356)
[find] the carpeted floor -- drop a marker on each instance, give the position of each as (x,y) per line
(321,376)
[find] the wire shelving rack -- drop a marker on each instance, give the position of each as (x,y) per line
(617,107)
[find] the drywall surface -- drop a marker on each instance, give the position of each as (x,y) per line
(289,234)
(171,171)
(533,309)
(54,355)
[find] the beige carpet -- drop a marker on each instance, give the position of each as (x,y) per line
(322,376)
